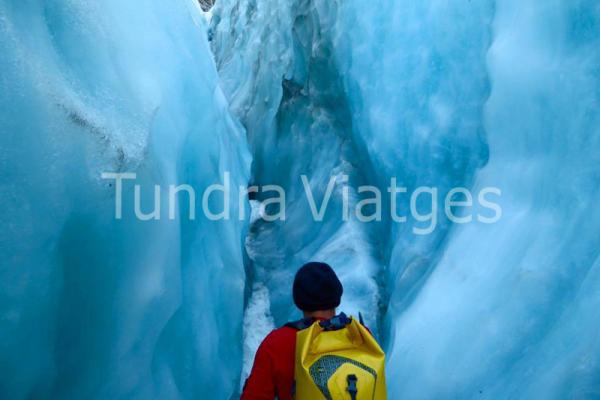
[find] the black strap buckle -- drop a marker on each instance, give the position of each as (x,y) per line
(352,388)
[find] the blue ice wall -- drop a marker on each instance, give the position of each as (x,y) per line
(90,306)
(509,310)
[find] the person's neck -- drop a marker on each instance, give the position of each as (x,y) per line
(321,314)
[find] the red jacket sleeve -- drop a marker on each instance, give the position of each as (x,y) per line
(260,385)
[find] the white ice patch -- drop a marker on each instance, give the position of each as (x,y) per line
(258,322)
(256,211)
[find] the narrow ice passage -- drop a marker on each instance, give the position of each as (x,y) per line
(291,99)
(285,69)
(434,93)
(440,94)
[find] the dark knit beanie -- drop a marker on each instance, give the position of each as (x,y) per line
(317,287)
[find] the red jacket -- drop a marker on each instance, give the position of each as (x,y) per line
(273,370)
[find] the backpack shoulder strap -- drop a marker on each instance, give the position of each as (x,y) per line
(336,323)
(301,324)
(340,321)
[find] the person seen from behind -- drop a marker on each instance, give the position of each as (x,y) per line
(324,356)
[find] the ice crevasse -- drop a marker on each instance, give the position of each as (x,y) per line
(446,94)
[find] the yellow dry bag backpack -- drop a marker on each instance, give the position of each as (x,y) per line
(338,359)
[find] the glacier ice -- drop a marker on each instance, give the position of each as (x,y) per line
(92,307)
(474,94)
(508,311)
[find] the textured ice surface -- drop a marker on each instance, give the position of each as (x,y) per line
(508,310)
(91,307)
(258,323)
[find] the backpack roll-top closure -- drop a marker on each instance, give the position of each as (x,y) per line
(331,341)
